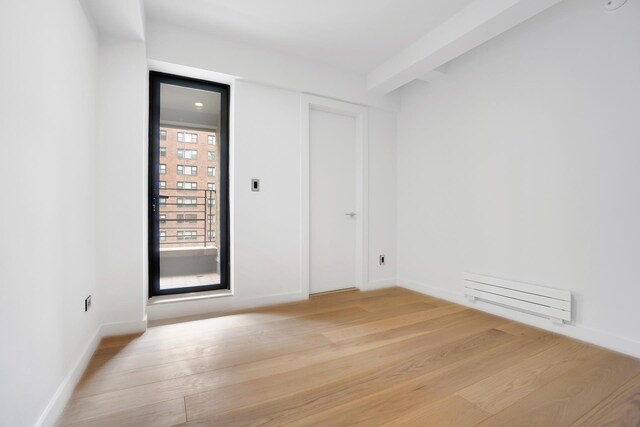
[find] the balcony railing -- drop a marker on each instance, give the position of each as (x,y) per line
(188,218)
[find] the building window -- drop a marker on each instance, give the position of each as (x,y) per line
(187,170)
(210,219)
(182,185)
(163,236)
(187,202)
(188,218)
(211,186)
(163,185)
(187,235)
(187,137)
(211,139)
(212,202)
(211,171)
(163,202)
(163,151)
(211,234)
(163,135)
(163,219)
(187,154)
(163,169)
(211,156)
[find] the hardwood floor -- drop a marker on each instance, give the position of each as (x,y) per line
(390,357)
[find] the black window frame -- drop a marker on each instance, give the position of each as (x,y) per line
(156,79)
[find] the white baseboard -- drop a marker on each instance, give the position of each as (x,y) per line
(56,405)
(576,331)
(123,328)
(52,412)
(185,308)
(381,284)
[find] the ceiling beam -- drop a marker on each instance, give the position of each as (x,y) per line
(475,24)
(434,75)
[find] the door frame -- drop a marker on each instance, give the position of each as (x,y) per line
(361,115)
(156,78)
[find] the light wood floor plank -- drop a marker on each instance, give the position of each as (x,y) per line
(364,372)
(349,332)
(391,357)
(125,372)
(563,400)
(165,390)
(452,411)
(324,395)
(497,392)
(163,414)
(622,408)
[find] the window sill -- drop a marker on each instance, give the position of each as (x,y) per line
(195,296)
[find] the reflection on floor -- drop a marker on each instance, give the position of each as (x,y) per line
(172,282)
(387,357)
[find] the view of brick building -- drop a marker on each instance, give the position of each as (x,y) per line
(189,182)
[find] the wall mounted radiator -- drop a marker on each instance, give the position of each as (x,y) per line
(554,304)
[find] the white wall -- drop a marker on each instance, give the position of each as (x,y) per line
(382,198)
(47,220)
(185,46)
(122,184)
(265,226)
(265,139)
(523,164)
(266,252)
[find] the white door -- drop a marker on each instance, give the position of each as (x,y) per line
(333,217)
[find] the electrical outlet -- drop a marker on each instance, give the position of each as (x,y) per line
(87,303)
(382,259)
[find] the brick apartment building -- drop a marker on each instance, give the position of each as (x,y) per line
(189,181)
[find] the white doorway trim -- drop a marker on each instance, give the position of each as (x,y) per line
(360,113)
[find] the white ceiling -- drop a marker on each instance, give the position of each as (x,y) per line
(351,34)
(177,107)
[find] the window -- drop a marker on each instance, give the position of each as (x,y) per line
(187,202)
(187,154)
(188,218)
(182,185)
(187,170)
(187,137)
(212,202)
(163,236)
(179,196)
(187,235)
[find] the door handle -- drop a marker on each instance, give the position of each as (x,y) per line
(350,214)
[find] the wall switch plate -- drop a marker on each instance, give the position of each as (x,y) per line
(255,185)
(382,259)
(87,303)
